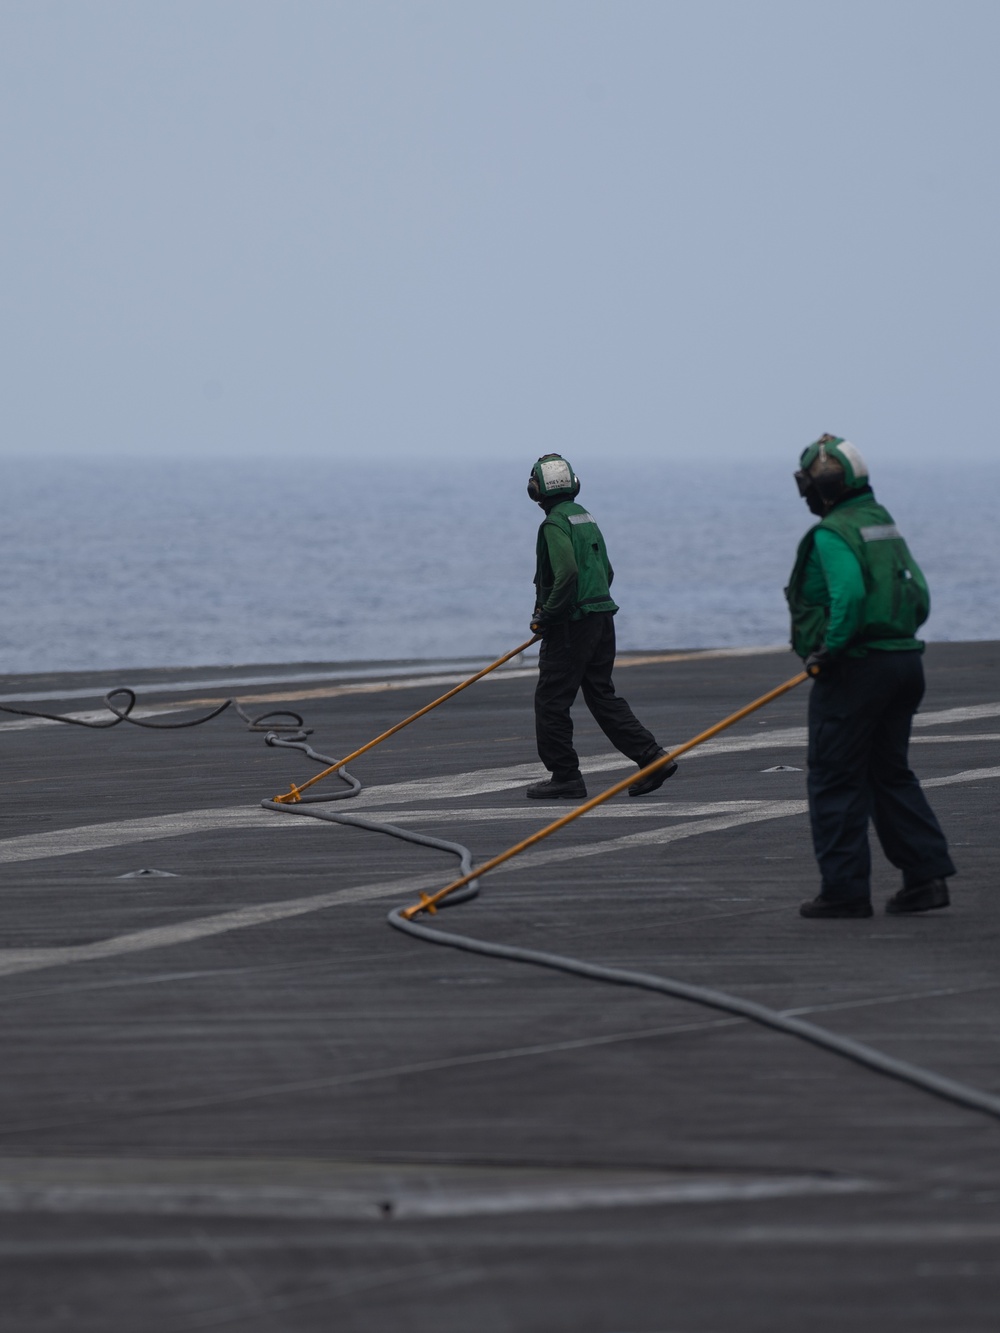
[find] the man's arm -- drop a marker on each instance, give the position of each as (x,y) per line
(561,599)
(846,585)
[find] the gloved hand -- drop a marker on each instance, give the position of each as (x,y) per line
(540,626)
(818,662)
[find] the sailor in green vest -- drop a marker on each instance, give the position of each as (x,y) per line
(574,613)
(857,598)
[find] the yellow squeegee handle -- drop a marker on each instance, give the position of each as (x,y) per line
(293,795)
(429,904)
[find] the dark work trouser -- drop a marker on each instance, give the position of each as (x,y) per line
(860,711)
(580,654)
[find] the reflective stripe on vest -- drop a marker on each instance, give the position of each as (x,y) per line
(884,532)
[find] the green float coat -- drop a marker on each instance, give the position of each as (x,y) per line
(572,572)
(855,585)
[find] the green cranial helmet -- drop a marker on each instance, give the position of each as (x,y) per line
(829,469)
(552,478)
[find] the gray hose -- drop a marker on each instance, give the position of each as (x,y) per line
(960,1094)
(122,713)
(353,787)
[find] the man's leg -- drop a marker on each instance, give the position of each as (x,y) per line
(560,670)
(907,828)
(611,712)
(842,716)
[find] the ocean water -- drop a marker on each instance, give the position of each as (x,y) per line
(116,564)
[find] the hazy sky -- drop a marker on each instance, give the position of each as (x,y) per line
(240,227)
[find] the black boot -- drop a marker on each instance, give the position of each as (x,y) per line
(832,907)
(559,789)
(919,898)
(645,785)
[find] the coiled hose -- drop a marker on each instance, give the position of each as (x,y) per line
(124,714)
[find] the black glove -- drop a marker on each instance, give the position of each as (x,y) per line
(540,626)
(819,661)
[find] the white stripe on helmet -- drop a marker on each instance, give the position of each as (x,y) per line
(851,452)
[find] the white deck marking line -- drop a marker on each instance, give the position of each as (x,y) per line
(14,961)
(126,832)
(483,781)
(948,738)
(123,832)
(658,837)
(969,775)
(506,1241)
(973,713)
(490,814)
(364,1201)
(853,1235)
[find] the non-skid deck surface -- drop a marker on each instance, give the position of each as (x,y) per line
(233,1097)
